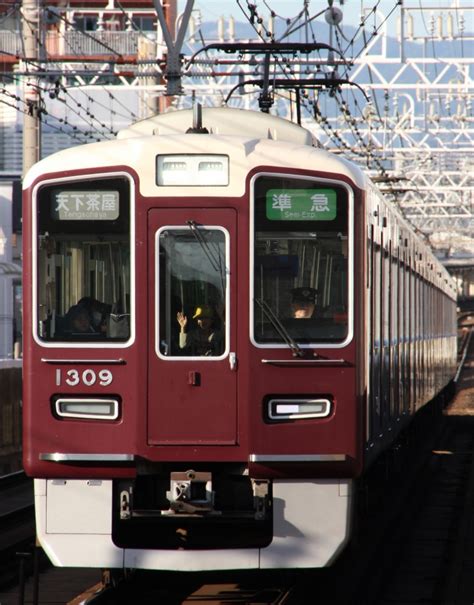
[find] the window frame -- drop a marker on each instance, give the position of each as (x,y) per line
(350,261)
(227,315)
(64,344)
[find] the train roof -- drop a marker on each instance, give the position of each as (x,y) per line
(222,121)
(250,138)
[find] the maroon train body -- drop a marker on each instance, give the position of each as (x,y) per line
(174,401)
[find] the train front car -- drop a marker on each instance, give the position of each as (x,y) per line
(196,366)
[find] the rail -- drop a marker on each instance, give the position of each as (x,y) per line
(10,416)
(16,490)
(464,348)
(10,478)
(17,523)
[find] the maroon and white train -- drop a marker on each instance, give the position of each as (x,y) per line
(173,401)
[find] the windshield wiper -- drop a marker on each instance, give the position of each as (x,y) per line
(215,258)
(280,328)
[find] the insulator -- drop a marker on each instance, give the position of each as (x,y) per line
(220,28)
(271,25)
(192,29)
(410,27)
(449,25)
(197,18)
(431,24)
(440,26)
(232,28)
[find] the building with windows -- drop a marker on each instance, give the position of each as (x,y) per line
(87,56)
(84,72)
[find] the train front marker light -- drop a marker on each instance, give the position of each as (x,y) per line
(97,409)
(298,409)
(193,169)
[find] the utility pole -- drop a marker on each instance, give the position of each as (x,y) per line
(168,22)
(32,116)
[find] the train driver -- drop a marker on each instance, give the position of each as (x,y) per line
(206,339)
(303,303)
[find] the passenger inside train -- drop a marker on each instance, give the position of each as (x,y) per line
(98,312)
(203,340)
(84,258)
(77,322)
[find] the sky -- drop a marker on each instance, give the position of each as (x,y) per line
(351,9)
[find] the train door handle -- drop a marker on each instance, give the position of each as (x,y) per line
(194,379)
(233,361)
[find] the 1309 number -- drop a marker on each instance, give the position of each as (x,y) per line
(87,377)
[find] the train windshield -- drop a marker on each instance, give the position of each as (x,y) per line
(193,289)
(301,275)
(83,261)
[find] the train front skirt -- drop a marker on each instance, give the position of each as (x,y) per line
(307,527)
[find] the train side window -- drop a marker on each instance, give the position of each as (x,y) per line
(192,273)
(83,268)
(301,250)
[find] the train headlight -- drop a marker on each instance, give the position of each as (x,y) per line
(97,409)
(298,409)
(205,170)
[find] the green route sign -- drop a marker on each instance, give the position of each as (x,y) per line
(301,205)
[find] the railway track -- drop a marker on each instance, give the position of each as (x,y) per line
(412,563)
(413,541)
(410,548)
(244,588)
(416,542)
(17,524)
(406,540)
(16,508)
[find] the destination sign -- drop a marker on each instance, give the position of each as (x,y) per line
(301,204)
(85,205)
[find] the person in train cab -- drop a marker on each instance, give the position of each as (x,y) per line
(206,339)
(77,321)
(97,311)
(303,303)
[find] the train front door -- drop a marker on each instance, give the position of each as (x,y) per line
(192,377)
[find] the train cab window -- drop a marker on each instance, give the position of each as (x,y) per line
(300,262)
(83,261)
(192,273)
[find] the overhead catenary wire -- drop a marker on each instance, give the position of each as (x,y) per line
(38,66)
(294,24)
(367,152)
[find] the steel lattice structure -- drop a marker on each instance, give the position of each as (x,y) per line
(406,117)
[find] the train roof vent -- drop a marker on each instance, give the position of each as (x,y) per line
(224,121)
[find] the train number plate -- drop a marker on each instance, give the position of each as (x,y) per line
(86,377)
